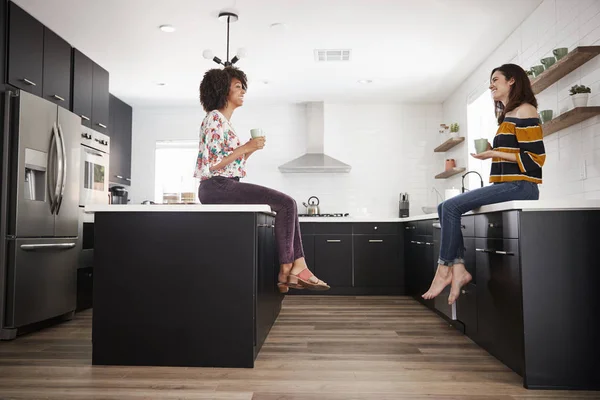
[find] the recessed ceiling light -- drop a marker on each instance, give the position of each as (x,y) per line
(161,84)
(167,28)
(365,81)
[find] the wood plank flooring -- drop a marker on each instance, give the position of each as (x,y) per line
(338,348)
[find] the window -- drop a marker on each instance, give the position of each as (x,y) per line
(481,123)
(174,172)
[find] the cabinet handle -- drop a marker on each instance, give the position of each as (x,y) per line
(428,244)
(413,242)
(492,225)
(101,125)
(119,176)
(410,227)
(437,225)
(420,243)
(375,227)
(266,226)
(57,97)
(27,81)
(463,291)
(333,240)
(375,240)
(505,253)
(84,117)
(128,179)
(483,250)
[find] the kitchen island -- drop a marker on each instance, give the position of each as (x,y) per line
(183,285)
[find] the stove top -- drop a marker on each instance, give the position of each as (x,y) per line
(324,215)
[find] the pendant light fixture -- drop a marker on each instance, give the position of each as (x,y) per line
(241,53)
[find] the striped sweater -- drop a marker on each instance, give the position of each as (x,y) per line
(523,137)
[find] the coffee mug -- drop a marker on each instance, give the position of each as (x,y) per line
(481,145)
(256,132)
(548,62)
(545,116)
(560,52)
(537,69)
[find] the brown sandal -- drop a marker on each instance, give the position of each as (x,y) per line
(302,280)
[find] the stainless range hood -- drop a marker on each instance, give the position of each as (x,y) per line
(315,160)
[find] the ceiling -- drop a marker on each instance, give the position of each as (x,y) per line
(412,50)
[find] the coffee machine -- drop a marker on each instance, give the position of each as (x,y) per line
(118,195)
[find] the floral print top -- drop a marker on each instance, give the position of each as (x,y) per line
(218,140)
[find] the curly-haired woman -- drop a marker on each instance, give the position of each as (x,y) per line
(222,162)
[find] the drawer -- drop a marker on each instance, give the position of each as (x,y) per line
(332,228)
(467,226)
(380,228)
(307,228)
(501,225)
(425,227)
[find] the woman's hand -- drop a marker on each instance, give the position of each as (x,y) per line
(485,155)
(255,144)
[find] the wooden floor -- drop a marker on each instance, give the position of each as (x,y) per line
(340,348)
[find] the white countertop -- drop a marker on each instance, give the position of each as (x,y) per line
(178,208)
(537,205)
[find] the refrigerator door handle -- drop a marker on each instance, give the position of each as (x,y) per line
(61,136)
(51,180)
(60,169)
(56,246)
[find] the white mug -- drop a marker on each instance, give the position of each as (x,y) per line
(256,132)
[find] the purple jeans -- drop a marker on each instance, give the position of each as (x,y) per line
(220,190)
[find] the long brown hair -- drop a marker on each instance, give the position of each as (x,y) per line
(520,91)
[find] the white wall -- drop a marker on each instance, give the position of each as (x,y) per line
(389,147)
(555,23)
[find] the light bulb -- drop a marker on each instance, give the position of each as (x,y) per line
(208,54)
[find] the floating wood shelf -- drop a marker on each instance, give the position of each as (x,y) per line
(564,66)
(448,144)
(449,173)
(569,118)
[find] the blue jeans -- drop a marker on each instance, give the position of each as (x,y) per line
(450,211)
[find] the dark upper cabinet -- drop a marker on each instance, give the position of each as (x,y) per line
(57,69)
(377,261)
(333,259)
(25,50)
(120,124)
(82,87)
(100,99)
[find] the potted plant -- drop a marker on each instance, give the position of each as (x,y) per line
(579,95)
(454,129)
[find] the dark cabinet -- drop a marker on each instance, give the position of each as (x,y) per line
(333,259)
(377,261)
(308,244)
(82,87)
(25,50)
(57,69)
(499,308)
(100,98)
(267,295)
(120,141)
(85,288)
(466,310)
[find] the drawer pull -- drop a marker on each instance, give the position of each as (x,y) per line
(410,227)
(57,97)
(483,250)
(333,240)
(420,243)
(463,291)
(413,242)
(27,81)
(265,226)
(428,244)
(492,225)
(101,125)
(504,253)
(375,240)
(84,117)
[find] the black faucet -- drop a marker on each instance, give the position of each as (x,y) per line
(463,180)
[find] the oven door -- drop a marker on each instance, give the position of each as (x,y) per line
(94,177)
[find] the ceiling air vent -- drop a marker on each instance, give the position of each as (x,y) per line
(332,55)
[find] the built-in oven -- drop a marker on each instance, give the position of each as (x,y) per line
(95,156)
(93,189)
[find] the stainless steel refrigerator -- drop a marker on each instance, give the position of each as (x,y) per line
(39,199)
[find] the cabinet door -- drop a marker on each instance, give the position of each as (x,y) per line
(115,141)
(376,261)
(100,110)
(499,309)
(82,87)
(466,310)
(57,69)
(25,51)
(410,261)
(333,259)
(427,267)
(470,260)
(127,117)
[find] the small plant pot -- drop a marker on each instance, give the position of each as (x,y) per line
(580,99)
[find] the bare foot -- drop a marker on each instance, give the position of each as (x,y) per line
(460,277)
(284,272)
(442,278)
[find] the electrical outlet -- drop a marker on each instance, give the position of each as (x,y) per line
(583,173)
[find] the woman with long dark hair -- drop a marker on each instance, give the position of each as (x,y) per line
(221,163)
(517,155)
